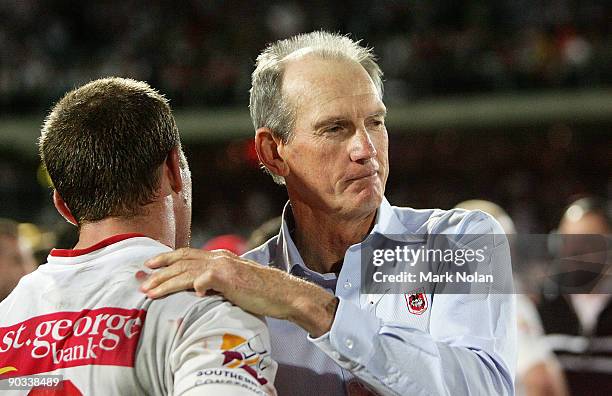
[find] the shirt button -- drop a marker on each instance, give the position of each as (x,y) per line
(335,355)
(348,285)
(349,343)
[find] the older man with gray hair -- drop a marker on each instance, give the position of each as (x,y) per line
(316,105)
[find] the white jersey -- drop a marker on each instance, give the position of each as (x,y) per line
(82,316)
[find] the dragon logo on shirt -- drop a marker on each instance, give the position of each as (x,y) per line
(417,302)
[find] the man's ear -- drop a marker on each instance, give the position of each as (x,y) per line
(267,146)
(172,170)
(63,209)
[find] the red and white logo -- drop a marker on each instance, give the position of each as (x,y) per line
(417,302)
(104,336)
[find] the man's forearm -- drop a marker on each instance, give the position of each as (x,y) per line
(313,309)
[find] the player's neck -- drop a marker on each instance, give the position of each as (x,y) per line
(160,228)
(322,240)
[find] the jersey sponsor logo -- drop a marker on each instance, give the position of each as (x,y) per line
(104,336)
(213,376)
(417,302)
(245,354)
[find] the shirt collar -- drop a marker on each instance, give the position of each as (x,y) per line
(90,249)
(387,224)
(289,253)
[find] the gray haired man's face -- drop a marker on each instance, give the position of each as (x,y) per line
(338,156)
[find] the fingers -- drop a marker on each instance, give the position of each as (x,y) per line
(188,269)
(180,282)
(166,259)
(163,275)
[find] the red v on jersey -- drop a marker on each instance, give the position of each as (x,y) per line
(102,244)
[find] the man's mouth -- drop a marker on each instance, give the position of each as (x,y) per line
(363,176)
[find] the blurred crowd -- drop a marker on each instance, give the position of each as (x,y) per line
(202,52)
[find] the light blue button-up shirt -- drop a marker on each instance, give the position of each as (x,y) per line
(462,344)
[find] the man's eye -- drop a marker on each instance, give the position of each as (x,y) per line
(334,129)
(377,123)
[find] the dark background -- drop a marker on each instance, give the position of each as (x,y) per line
(201,54)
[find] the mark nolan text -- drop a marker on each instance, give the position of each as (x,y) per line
(454,277)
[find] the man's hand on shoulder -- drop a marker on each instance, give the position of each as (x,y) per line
(255,288)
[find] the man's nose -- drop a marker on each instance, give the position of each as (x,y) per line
(362,148)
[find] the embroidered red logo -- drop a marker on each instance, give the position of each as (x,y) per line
(417,302)
(105,336)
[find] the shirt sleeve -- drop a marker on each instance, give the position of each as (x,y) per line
(470,348)
(220,349)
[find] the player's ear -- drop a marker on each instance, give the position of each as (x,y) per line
(267,146)
(63,209)
(172,170)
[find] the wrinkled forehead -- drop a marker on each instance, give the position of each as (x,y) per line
(311,81)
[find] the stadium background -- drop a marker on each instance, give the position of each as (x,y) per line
(509,100)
